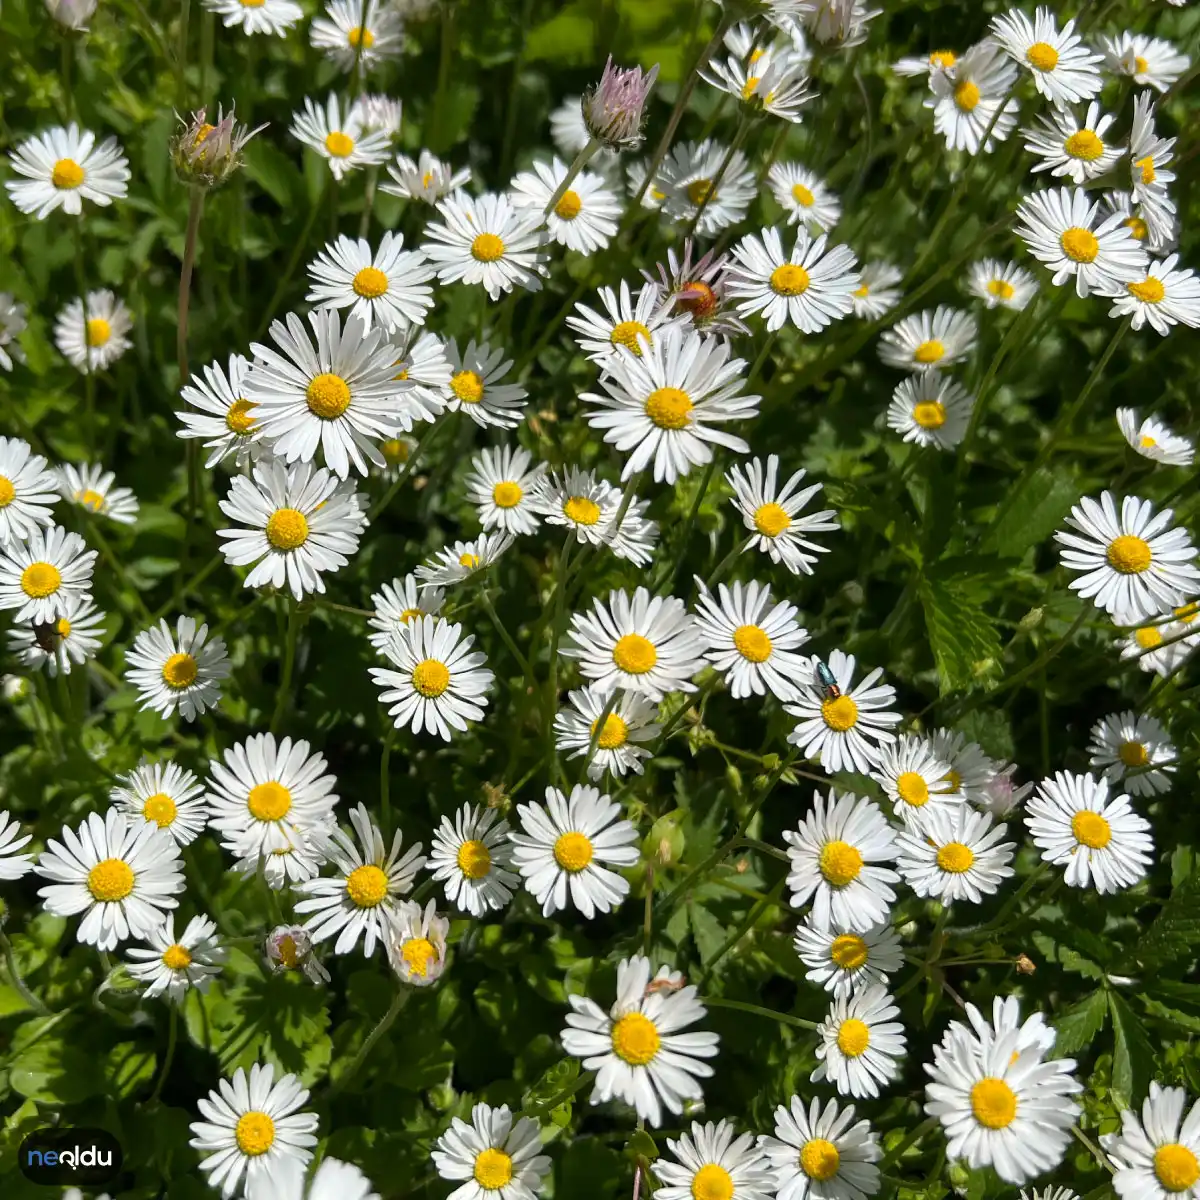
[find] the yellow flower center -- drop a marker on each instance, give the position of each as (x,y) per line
(1140,65)
(237,417)
(474,859)
(1148,637)
(1146,166)
(110,881)
(469,561)
(394,450)
(426,179)
(635,654)
(370,282)
(176,957)
(912,789)
(750,86)
(64,627)
(252,3)
(614,734)
(669,407)
(431,678)
(1128,554)
(789,280)
(1187,613)
(98,332)
(840,863)
(712,1183)
(955,858)
(289,952)
(819,1159)
(1001,289)
(160,809)
(417,954)
(507,494)
(67,174)
(90,500)
(287,528)
(8,493)
(255,1132)
(581,510)
(1042,56)
(487,247)
(699,190)
(966,95)
(802,195)
(1137,227)
(862,292)
(929,352)
(410,614)
(770,519)
(994,1103)
(467,386)
(1085,145)
(328,396)
(1176,1167)
(339,144)
(1091,830)
(627,333)
(179,671)
(1133,754)
(573,852)
(569,207)
(839,713)
(367,886)
(702,301)
(40,579)
(1147,442)
(943,58)
(752,643)
(849,952)
(1148,290)
(853,1037)
(493,1169)
(269,801)
(635,1039)
(1079,245)
(358,36)
(929,414)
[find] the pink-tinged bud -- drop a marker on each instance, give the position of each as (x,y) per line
(289,948)
(1002,795)
(71,14)
(206,154)
(613,110)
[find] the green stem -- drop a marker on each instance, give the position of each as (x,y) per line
(191,585)
(106,552)
(758,1011)
(668,577)
(901,1147)
(715,575)
(172,1037)
(14,977)
(289,663)
(744,927)
(445,56)
(548,1106)
(740,136)
(385,806)
(488,607)
(364,224)
(286,278)
(760,361)
(181,56)
(648,910)
(382,1026)
(422,445)
(191,454)
(581,160)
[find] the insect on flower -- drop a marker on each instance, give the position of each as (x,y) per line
(826,680)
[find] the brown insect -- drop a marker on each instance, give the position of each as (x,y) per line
(49,635)
(664,985)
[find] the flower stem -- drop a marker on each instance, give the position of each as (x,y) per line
(581,161)
(381,1027)
(14,977)
(191,454)
(488,607)
(385,803)
(289,663)
(914,1136)
(405,471)
(667,579)
(172,1038)
(758,1011)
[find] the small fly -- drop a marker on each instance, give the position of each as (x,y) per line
(826,680)
(48,635)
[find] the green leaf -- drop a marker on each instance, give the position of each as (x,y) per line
(55,1072)
(964,639)
(1133,1053)
(1078,1025)
(274,172)
(1176,929)
(127,1066)
(1067,958)
(1035,511)
(567,38)
(706,930)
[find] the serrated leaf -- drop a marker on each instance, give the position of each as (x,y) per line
(1034,513)
(962,635)
(1078,1025)
(706,930)
(1133,1053)
(1176,929)
(1066,957)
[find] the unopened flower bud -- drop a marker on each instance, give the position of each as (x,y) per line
(1031,620)
(614,109)
(71,14)
(289,948)
(14,687)
(204,154)
(1025,965)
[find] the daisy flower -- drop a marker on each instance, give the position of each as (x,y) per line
(804,197)
(55,645)
(440,683)
(251,1128)
(396,453)
(352,40)
(427,179)
(971,101)
(64,167)
(713,1162)
(416,944)
(12,864)
(165,795)
(1064,70)
(586,215)
(381,114)
(1152,439)
(1061,228)
(641,643)
(343,396)
(495,1157)
(173,967)
(462,560)
(624,323)
(91,488)
(225,418)
(90,333)
(1157,1157)
(27,491)
(777,83)
(843,962)
(1133,748)
(859,1044)
(577,500)
(486,240)
(697,291)
(936,60)
(397,603)
(475,386)
(1148,61)
(423,363)
(340,138)
(1149,155)
(630,723)
(289,948)
(638,1048)
(688,180)
(267,16)
(504,490)
(930,410)
(837,730)
(45,574)
(181,670)
(954,854)
(568,129)
(1135,565)
(1002,795)
(934,338)
(753,642)
(1050,1193)
(822,1153)
(877,293)
(915,779)
(1073,148)
(832,855)
(1151,648)
(471,857)
(13,320)
(120,876)
(332,1180)
(1166,296)
(1101,840)
(635,537)
(565,849)
(1001,284)
(1164,231)
(387,287)
(970,770)
(363,899)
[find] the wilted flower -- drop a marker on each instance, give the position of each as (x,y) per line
(613,109)
(289,948)
(72,14)
(205,154)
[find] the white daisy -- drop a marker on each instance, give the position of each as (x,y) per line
(687,180)
(973,108)
(836,726)
(1002,795)
(1148,156)
(877,293)
(266,16)
(342,140)
(1135,565)
(1133,748)
(930,409)
(935,60)
(969,769)
(251,1128)
(27,491)
(859,1044)
(585,217)
(225,418)
(343,397)
(934,338)
(423,363)
(62,168)
(381,114)
(495,1157)
(1050,1193)
(73,638)
(165,795)
(354,34)
(832,855)
(565,849)
(1148,61)
(471,856)
(181,670)
(696,290)
(843,962)
(1101,840)
(13,320)
(577,500)
(504,490)
(44,574)
(427,179)
(174,967)
(1151,648)
(1157,237)
(486,240)
(630,723)
(90,333)
(475,386)
(453,564)
(302,521)
(1157,1157)
(1001,284)
(1072,147)
(332,1180)
(121,876)
(776,83)
(416,943)
(91,487)
(802,194)
(1152,439)
(637,1048)
(440,683)
(771,513)
(396,452)
(388,286)
(954,854)
(915,779)
(12,864)
(636,537)
(399,602)
(838,23)
(714,1163)
(364,897)
(568,129)
(1064,70)
(1166,296)
(289,948)
(624,322)
(822,1153)
(1062,229)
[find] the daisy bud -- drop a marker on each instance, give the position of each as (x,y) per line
(289,948)
(205,155)
(71,14)
(1025,965)
(14,687)
(613,110)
